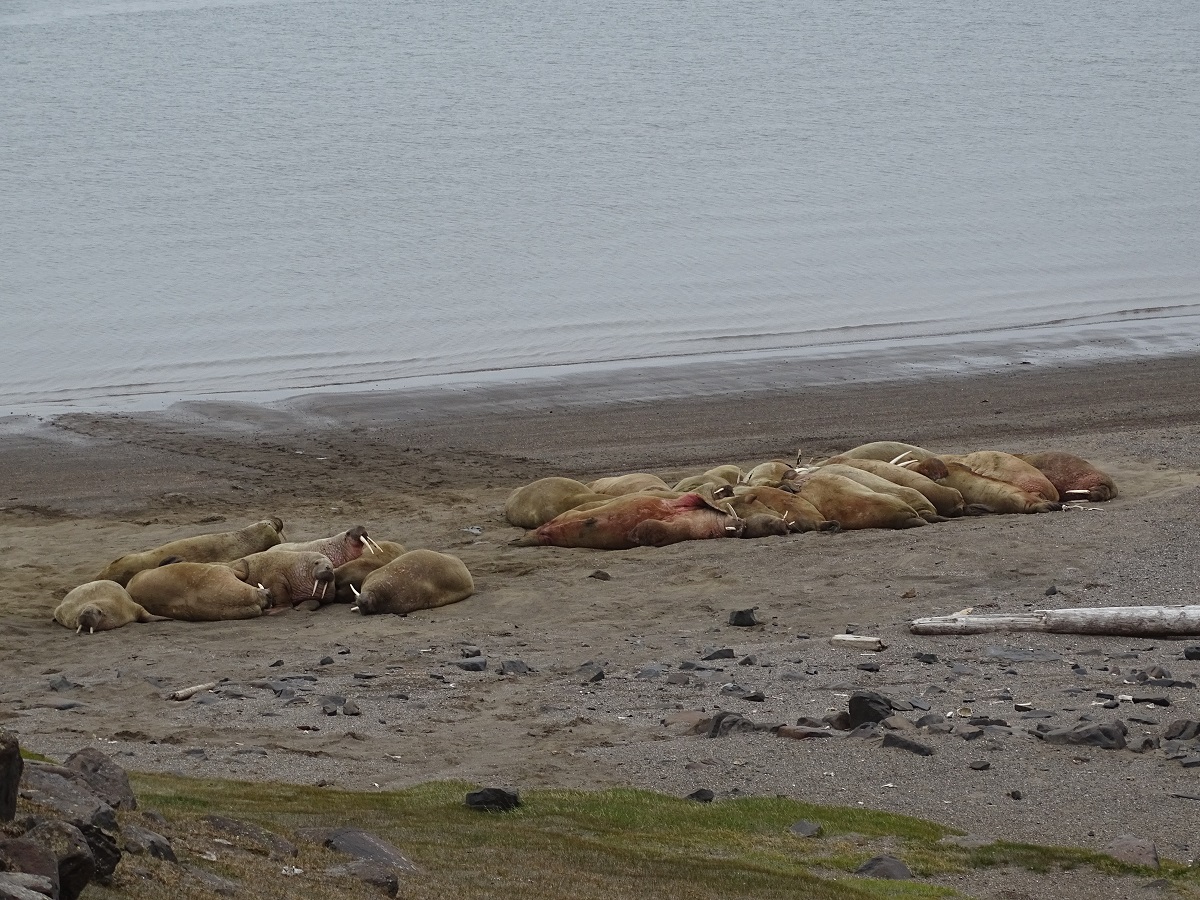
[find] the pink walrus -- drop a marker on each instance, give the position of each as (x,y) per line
(635,520)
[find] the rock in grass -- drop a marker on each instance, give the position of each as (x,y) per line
(805,828)
(884,867)
(76,864)
(1133,850)
(143,842)
(31,857)
(369,872)
(107,780)
(364,845)
(703,795)
(65,792)
(493,799)
(23,886)
(258,838)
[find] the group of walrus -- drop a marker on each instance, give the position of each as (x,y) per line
(883,484)
(251,572)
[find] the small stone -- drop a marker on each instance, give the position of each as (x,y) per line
(756,697)
(493,799)
(724,653)
(364,845)
(276,664)
(326,661)
(892,739)
(1191,653)
(980,765)
(601,575)
(470,652)
(1133,850)
(514,667)
(590,672)
(142,842)
(679,678)
(1016,795)
(868,706)
(868,666)
(805,828)
(351,709)
(743,618)
(703,795)
(477,664)
(369,872)
(927,658)
(59,683)
(1051,591)
(884,867)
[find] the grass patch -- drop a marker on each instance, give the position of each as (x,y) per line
(562,844)
(36,757)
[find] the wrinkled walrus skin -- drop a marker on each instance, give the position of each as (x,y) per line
(914,498)
(197,592)
(1006,467)
(349,577)
(292,576)
(991,494)
(1072,475)
(338,549)
(203,548)
(854,506)
(419,579)
(635,521)
(100,606)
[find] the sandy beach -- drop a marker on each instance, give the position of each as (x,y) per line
(431,469)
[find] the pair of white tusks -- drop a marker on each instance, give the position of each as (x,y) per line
(896,461)
(371,546)
(80,628)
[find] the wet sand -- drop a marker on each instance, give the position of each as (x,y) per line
(421,468)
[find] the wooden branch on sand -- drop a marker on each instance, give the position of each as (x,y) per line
(185,693)
(1131,621)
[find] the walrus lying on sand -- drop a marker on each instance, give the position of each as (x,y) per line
(536,504)
(339,549)
(635,521)
(349,577)
(946,500)
(100,606)
(1073,477)
(292,576)
(914,498)
(198,592)
(419,579)
(218,547)
(991,494)
(621,485)
(1006,467)
(853,505)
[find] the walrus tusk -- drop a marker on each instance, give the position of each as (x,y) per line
(185,693)
(354,609)
(79,629)
(371,546)
(908,462)
(91,629)
(896,461)
(323,585)
(798,452)
(260,586)
(356,593)
(1079,491)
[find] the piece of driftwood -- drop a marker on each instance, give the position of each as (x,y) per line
(1132,621)
(857,642)
(185,693)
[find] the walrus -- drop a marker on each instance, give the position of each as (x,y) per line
(198,592)
(537,503)
(946,500)
(218,547)
(635,520)
(620,485)
(853,505)
(339,549)
(1006,467)
(348,577)
(292,576)
(100,606)
(914,498)
(992,494)
(1073,477)
(888,451)
(769,474)
(800,515)
(418,579)
(716,477)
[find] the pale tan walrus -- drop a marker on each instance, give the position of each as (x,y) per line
(634,483)
(946,500)
(537,503)
(888,451)
(1006,467)
(100,606)
(853,505)
(218,547)
(198,592)
(419,579)
(981,491)
(349,577)
(914,498)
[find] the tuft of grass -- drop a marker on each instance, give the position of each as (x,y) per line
(36,757)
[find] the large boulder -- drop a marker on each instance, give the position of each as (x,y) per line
(75,861)
(107,780)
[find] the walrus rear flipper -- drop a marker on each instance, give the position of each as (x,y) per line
(529,539)
(830,525)
(977,509)
(150,617)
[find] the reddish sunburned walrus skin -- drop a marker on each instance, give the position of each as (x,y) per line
(1070,474)
(635,521)
(1006,467)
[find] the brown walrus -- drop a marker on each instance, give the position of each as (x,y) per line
(339,549)
(914,498)
(348,577)
(635,520)
(198,592)
(800,515)
(1006,467)
(292,576)
(100,606)
(418,579)
(982,492)
(853,505)
(537,503)
(620,485)
(717,476)
(1073,477)
(218,547)
(769,474)
(946,500)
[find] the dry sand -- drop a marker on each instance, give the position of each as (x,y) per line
(82,489)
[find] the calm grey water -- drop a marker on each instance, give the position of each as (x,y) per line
(201,198)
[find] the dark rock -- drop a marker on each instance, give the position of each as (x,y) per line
(1133,850)
(865,731)
(369,872)
(364,845)
(892,739)
(967,732)
(514,667)
(981,765)
(141,842)
(884,867)
(1018,655)
(326,661)
(1191,653)
(755,697)
(1182,730)
(74,859)
(801,732)
(1051,591)
(725,653)
(679,678)
(350,708)
(1110,736)
(652,671)
(838,720)
(868,666)
(750,660)
(71,800)
(1038,714)
(867,706)
(470,652)
(805,828)
(59,683)
(1155,700)
(23,886)
(930,719)
(29,855)
(11,767)
(258,838)
(477,664)
(104,849)
(981,721)
(590,672)
(927,658)
(703,795)
(1016,795)
(225,887)
(743,618)
(493,799)
(107,780)
(601,575)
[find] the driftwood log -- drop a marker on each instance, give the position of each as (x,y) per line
(185,693)
(1132,621)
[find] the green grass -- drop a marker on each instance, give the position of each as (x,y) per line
(573,844)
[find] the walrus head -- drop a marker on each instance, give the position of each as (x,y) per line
(90,617)
(324,581)
(365,602)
